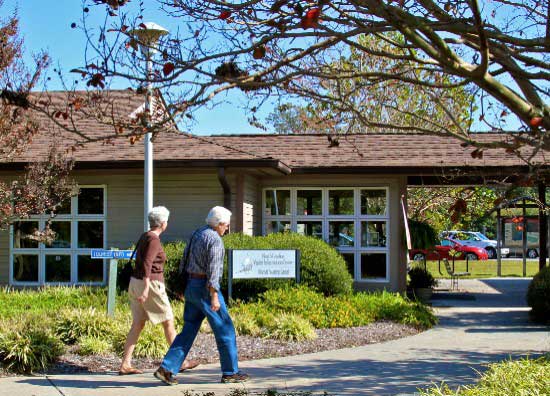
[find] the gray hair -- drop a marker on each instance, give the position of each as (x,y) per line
(217,215)
(157,216)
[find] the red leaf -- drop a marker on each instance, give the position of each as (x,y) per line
(142,25)
(536,122)
(311,18)
(224,14)
(123,28)
(259,52)
(168,68)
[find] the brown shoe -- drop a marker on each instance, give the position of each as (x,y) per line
(165,376)
(129,371)
(189,365)
(234,378)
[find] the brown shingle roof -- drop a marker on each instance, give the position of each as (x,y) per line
(299,152)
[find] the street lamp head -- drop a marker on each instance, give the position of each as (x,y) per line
(148,36)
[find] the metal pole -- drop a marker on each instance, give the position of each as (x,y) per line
(499,244)
(229,276)
(148,160)
(524,239)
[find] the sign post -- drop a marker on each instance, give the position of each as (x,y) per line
(262,264)
(113,256)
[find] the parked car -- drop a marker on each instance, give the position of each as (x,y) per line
(474,238)
(443,250)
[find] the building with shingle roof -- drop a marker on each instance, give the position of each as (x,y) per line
(344,189)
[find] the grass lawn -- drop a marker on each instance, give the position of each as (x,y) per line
(486,268)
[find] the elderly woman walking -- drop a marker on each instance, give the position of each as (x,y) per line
(203,260)
(147,294)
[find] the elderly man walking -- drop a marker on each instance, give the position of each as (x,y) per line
(203,256)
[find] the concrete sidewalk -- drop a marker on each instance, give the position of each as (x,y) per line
(487,323)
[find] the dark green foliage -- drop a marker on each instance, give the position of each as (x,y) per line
(421,278)
(538,296)
(423,235)
(322,267)
(29,350)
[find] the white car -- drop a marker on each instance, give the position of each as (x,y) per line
(474,238)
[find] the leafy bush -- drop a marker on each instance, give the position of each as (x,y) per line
(94,346)
(538,296)
(49,300)
(29,351)
(423,235)
(350,310)
(322,267)
(421,278)
(75,324)
(291,327)
(245,324)
(520,377)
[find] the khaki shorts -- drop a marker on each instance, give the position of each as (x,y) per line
(156,308)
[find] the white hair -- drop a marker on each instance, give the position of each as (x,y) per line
(157,216)
(217,215)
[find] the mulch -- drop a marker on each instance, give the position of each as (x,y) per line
(250,348)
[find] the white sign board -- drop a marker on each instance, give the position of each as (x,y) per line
(254,264)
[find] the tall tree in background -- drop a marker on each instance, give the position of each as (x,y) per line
(44,185)
(371,105)
(498,48)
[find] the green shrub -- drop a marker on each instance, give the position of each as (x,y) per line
(291,327)
(246,324)
(75,324)
(322,267)
(421,278)
(538,296)
(350,310)
(94,346)
(29,351)
(520,377)
(49,300)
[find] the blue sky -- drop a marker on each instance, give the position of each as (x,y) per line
(46,25)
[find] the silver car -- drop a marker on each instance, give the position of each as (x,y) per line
(474,238)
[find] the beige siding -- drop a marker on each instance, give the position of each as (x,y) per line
(188,196)
(5,177)
(252,209)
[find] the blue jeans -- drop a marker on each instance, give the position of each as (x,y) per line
(197,307)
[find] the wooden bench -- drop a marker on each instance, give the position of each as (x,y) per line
(454,275)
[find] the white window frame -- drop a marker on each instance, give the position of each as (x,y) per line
(325,218)
(74,251)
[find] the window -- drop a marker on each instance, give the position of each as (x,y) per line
(79,226)
(352,219)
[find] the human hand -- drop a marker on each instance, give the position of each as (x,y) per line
(141,299)
(215,302)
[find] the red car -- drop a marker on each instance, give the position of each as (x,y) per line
(442,251)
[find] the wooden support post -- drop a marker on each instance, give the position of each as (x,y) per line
(111,294)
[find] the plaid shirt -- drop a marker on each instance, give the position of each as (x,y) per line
(206,255)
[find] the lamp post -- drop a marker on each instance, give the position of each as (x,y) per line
(148,37)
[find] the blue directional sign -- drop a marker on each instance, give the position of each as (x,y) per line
(110,254)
